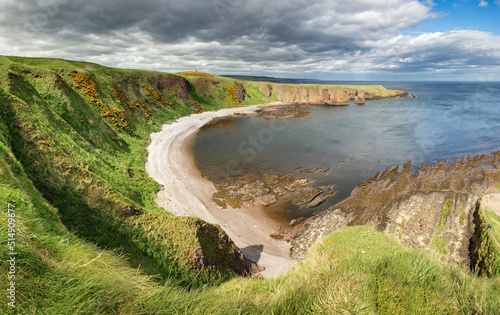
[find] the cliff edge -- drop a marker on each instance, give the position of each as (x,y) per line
(436,208)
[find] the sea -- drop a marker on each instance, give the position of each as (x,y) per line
(349,144)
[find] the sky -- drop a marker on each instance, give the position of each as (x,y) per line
(319,39)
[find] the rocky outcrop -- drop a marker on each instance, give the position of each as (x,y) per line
(250,190)
(322,197)
(314,196)
(331,94)
(240,91)
(284,111)
(267,90)
(171,83)
(360,99)
(432,208)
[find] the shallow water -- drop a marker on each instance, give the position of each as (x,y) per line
(445,121)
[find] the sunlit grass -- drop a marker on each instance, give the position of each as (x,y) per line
(495,222)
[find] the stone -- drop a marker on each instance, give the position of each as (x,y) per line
(324,196)
(359,99)
(432,208)
(267,200)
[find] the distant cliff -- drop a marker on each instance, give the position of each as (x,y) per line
(327,94)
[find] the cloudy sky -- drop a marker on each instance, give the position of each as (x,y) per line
(323,39)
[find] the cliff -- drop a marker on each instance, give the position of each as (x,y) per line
(437,208)
(331,95)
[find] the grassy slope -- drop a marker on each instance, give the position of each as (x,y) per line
(489,249)
(495,222)
(87,160)
(86,218)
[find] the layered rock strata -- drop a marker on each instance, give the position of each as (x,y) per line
(431,208)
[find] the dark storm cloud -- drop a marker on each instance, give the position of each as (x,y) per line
(319,25)
(241,36)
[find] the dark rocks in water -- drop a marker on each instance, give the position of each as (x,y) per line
(240,191)
(241,115)
(324,196)
(308,195)
(315,196)
(431,208)
(250,190)
(287,111)
(302,170)
(359,99)
(284,183)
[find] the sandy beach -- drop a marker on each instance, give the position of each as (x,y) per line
(186,193)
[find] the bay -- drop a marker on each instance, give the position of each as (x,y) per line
(352,143)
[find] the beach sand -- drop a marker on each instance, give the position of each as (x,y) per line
(186,193)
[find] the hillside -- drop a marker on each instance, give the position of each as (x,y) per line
(80,216)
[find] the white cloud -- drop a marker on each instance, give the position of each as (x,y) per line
(483,4)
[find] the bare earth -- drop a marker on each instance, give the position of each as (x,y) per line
(492,202)
(186,193)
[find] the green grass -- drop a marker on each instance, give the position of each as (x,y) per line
(438,243)
(495,222)
(485,254)
(355,270)
(91,240)
(92,171)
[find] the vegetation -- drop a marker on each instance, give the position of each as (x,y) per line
(486,250)
(80,132)
(90,239)
(196,73)
(438,243)
(494,220)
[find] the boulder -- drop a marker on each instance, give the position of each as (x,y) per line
(360,99)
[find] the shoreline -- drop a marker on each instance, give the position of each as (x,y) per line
(186,193)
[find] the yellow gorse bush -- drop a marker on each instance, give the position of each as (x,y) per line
(230,95)
(155,96)
(196,73)
(113,115)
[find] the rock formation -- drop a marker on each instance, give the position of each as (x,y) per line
(360,99)
(433,208)
(331,95)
